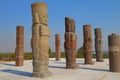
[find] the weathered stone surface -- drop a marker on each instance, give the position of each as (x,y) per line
(98,44)
(19,51)
(69,25)
(40,40)
(70,44)
(87,45)
(57,47)
(114,52)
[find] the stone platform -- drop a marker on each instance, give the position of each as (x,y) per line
(98,71)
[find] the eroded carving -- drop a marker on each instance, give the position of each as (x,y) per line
(87,45)
(98,45)
(70,44)
(40,40)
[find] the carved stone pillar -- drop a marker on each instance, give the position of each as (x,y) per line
(19,51)
(87,45)
(40,40)
(57,47)
(98,45)
(114,52)
(70,44)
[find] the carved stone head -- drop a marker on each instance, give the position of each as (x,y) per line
(70,24)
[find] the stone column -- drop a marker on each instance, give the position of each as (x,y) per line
(98,44)
(40,40)
(57,47)
(87,45)
(70,43)
(114,52)
(19,51)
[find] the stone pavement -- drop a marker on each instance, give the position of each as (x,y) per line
(98,71)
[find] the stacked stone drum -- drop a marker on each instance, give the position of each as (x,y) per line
(114,52)
(57,47)
(19,51)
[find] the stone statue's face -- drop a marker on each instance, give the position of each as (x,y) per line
(43,19)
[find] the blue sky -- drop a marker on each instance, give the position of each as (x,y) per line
(99,13)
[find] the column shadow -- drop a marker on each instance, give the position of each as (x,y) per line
(57,67)
(94,69)
(17,72)
(8,64)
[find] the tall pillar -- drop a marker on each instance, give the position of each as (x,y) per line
(19,51)
(40,40)
(87,45)
(114,52)
(70,43)
(98,44)
(57,47)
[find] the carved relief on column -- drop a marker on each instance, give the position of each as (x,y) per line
(87,45)
(98,44)
(70,43)
(40,40)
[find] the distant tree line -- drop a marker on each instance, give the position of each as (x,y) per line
(28,55)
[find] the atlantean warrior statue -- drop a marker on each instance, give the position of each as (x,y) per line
(87,45)
(40,40)
(70,43)
(98,44)
(114,52)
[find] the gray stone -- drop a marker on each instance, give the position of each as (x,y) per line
(40,40)
(98,44)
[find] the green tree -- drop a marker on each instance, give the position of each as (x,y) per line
(51,54)
(50,51)
(80,53)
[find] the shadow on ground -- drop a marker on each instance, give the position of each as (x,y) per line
(94,69)
(17,72)
(57,67)
(8,64)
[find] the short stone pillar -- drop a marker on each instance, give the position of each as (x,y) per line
(114,52)
(57,47)
(19,51)
(40,40)
(70,43)
(87,45)
(98,44)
